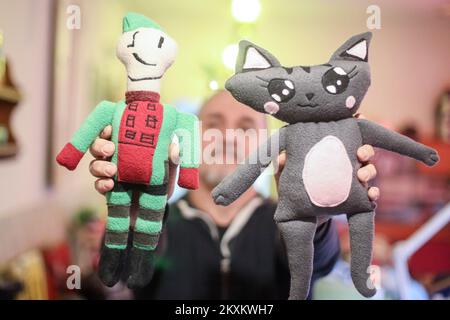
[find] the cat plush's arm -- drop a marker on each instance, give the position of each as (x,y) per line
(245,175)
(378,136)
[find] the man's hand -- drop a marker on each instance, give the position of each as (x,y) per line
(102,149)
(366,173)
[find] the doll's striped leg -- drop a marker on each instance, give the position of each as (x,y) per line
(146,236)
(118,223)
(149,221)
(116,235)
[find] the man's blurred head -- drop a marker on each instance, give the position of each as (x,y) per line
(222,115)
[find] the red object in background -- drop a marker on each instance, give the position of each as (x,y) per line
(432,258)
(56,260)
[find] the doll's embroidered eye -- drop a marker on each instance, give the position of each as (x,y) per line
(281,90)
(134,38)
(161,41)
(335,80)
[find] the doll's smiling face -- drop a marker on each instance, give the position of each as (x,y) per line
(146,53)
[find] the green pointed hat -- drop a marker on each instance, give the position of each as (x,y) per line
(133,21)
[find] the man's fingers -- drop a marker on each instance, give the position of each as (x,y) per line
(102,148)
(106,133)
(367,173)
(102,169)
(104,185)
(281,161)
(174,154)
(365,153)
(374,193)
(174,160)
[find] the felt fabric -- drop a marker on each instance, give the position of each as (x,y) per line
(141,267)
(160,158)
(72,153)
(152,188)
(69,156)
(188,178)
(361,229)
(327,179)
(298,236)
(133,21)
(146,51)
(138,137)
(142,95)
(111,265)
(232,187)
(89,130)
(148,227)
(147,230)
(379,136)
(189,140)
(318,104)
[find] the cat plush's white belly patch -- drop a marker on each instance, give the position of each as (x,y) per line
(327,173)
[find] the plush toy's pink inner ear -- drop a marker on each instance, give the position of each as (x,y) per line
(255,60)
(359,50)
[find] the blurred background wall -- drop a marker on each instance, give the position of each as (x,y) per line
(26,27)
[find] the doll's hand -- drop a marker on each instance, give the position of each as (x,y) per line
(221,194)
(430,157)
(103,149)
(366,173)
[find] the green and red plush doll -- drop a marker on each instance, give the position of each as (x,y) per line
(143,129)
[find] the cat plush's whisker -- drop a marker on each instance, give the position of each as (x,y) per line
(262,79)
(350,72)
(263,85)
(353,75)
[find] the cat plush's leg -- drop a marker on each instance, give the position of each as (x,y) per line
(361,228)
(298,236)
(116,235)
(146,236)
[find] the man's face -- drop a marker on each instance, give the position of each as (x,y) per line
(223,116)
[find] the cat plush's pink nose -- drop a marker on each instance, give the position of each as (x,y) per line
(271,107)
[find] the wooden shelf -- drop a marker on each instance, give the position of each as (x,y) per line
(8,150)
(9,98)
(9,94)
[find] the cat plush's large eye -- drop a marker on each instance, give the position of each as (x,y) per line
(335,80)
(281,90)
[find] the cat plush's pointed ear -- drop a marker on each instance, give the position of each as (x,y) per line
(354,49)
(251,57)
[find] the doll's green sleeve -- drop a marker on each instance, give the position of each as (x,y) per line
(188,135)
(97,120)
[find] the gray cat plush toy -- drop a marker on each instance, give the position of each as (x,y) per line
(321,140)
